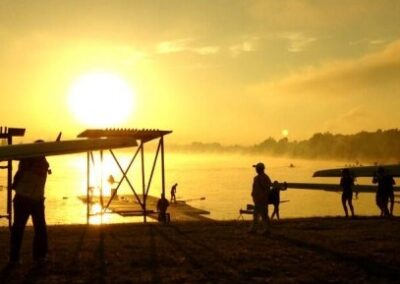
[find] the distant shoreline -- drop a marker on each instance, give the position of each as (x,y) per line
(380,147)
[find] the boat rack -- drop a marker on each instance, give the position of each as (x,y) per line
(142,136)
(7,134)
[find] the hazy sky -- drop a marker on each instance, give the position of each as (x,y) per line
(227,71)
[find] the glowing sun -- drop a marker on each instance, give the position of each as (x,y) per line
(101,100)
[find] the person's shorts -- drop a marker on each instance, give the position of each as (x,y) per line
(347,195)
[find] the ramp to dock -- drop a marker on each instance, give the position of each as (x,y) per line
(127,205)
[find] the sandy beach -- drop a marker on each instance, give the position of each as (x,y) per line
(362,250)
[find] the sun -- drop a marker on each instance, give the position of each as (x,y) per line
(285,132)
(101,99)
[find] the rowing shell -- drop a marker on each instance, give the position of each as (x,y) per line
(30,150)
(334,187)
(368,171)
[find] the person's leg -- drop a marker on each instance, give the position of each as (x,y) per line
(350,201)
(21,215)
(379,203)
(277,211)
(351,207)
(274,213)
(265,217)
(391,200)
(344,204)
(256,216)
(385,204)
(40,237)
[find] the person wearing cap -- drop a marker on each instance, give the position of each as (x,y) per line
(259,193)
(29,183)
(347,184)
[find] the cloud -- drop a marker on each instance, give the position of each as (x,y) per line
(376,41)
(248,45)
(133,57)
(182,45)
(367,41)
(173,46)
(297,41)
(346,122)
(375,73)
(207,50)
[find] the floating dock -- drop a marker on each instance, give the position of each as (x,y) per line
(127,205)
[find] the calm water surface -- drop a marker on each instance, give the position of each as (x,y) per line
(224,180)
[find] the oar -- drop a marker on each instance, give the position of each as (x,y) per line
(193,199)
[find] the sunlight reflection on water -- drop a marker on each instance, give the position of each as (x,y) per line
(223,180)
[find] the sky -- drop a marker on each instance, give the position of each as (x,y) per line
(234,72)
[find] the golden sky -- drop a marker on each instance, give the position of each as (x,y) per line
(210,70)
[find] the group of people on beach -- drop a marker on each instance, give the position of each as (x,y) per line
(30,178)
(265,192)
(384,194)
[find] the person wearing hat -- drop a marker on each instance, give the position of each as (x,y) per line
(261,188)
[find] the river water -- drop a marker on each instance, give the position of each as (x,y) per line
(219,183)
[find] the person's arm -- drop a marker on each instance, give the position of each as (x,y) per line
(18,175)
(341,183)
(269,183)
(253,188)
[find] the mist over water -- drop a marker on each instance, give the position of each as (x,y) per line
(224,180)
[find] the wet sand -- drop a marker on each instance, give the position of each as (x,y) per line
(363,250)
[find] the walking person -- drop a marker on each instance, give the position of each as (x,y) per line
(29,184)
(173,193)
(274,197)
(259,193)
(347,184)
(162,206)
(385,191)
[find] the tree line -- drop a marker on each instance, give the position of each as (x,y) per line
(381,145)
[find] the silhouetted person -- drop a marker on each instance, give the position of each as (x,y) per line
(111,181)
(29,183)
(173,193)
(162,206)
(274,198)
(347,184)
(385,191)
(260,191)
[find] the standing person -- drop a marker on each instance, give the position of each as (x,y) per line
(385,191)
(173,192)
(347,184)
(29,183)
(274,197)
(162,205)
(260,191)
